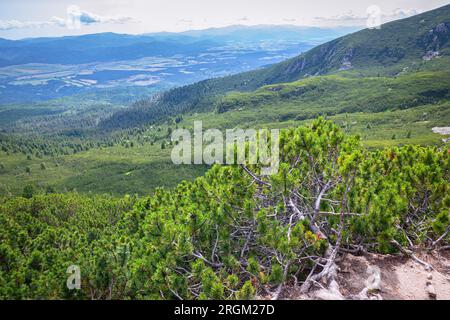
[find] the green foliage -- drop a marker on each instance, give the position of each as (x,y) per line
(46,234)
(276,274)
(28,192)
(442,222)
(247,292)
(223,236)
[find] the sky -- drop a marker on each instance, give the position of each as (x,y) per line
(39,18)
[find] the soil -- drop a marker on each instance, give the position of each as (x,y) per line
(402,278)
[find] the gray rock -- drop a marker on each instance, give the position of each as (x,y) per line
(332,293)
(431,291)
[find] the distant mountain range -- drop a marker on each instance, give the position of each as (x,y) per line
(265,32)
(43,68)
(103,47)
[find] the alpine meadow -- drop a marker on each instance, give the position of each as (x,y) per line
(94,207)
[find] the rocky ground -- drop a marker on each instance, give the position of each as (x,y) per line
(400,277)
(386,277)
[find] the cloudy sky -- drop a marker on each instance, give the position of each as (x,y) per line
(33,18)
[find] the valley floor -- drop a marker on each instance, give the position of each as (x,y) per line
(142,168)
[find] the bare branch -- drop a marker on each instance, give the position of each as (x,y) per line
(441,237)
(212,264)
(258,180)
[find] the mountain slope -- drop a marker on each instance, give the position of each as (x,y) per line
(397,42)
(379,51)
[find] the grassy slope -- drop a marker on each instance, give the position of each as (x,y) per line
(119,170)
(386,111)
(116,170)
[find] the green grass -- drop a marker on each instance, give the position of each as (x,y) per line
(375,129)
(139,170)
(116,170)
(383,111)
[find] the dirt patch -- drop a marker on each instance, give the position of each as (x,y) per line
(401,278)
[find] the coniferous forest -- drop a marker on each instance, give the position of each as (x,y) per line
(231,233)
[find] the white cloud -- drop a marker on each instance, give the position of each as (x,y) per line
(349,18)
(74,13)
(74,20)
(401,13)
(16,24)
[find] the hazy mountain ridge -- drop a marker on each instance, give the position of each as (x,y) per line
(90,48)
(39,69)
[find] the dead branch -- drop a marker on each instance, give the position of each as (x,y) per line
(212,264)
(326,213)
(258,180)
(412,255)
(440,238)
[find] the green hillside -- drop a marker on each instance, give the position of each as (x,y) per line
(394,104)
(386,101)
(386,51)
(229,234)
(382,111)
